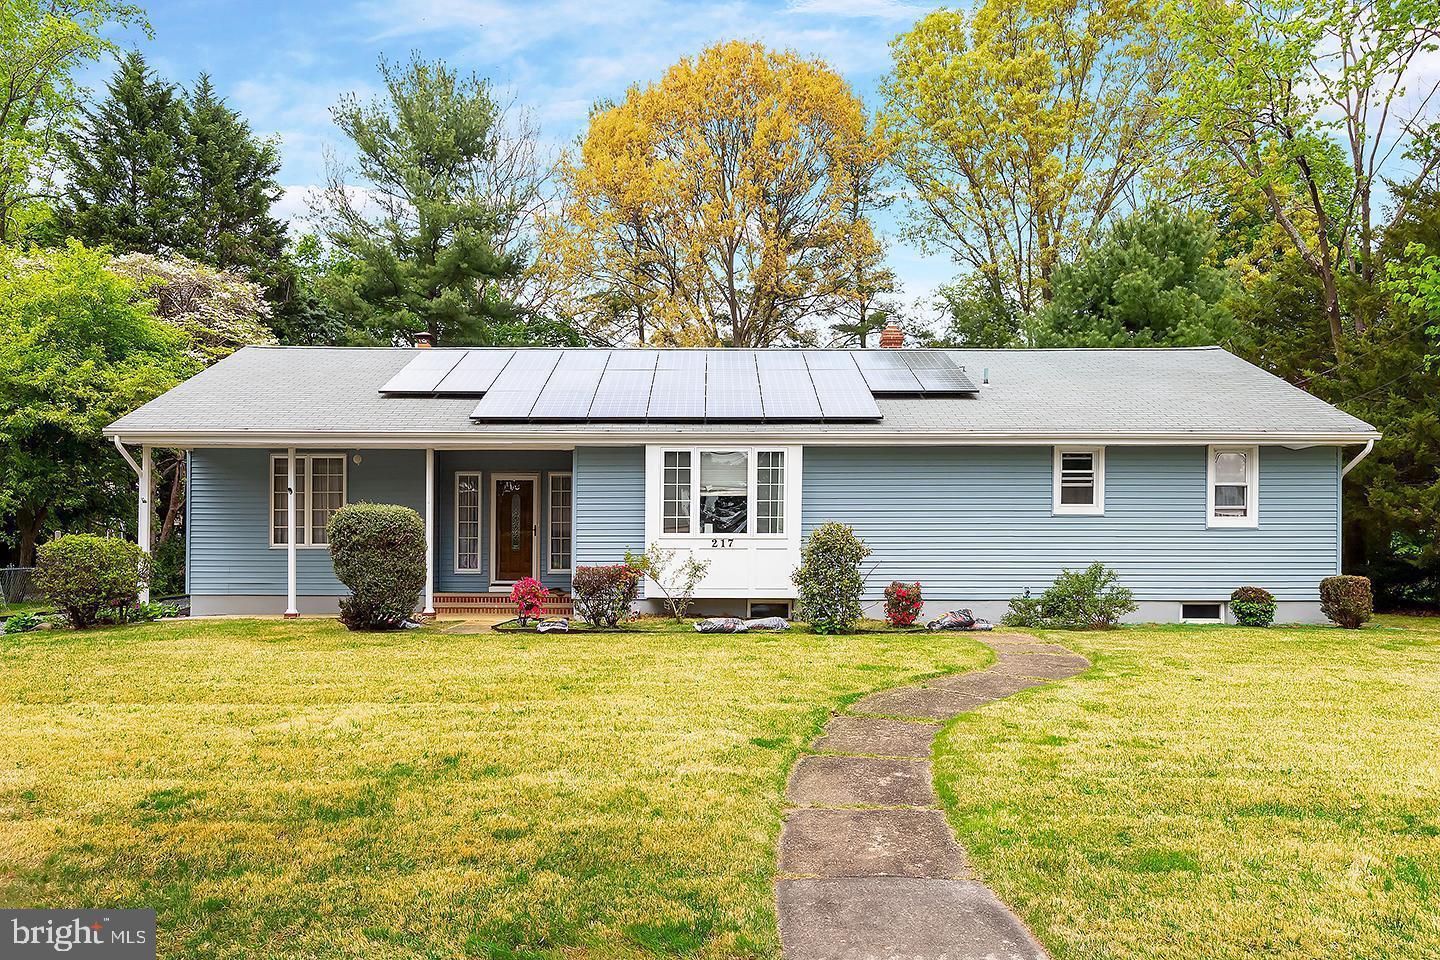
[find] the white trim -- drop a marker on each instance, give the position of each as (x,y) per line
(142,520)
(304,522)
(1251,519)
(550,521)
(1219,604)
(479,522)
(290,609)
(598,437)
(534,519)
(1097,463)
(429,610)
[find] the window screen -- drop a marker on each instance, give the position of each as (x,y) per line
(1232,482)
(1077,479)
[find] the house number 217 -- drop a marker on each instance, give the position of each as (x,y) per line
(722,542)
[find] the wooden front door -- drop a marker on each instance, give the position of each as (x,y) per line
(514,526)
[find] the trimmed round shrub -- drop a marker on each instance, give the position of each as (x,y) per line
(1252,607)
(829,580)
(902,603)
(88,576)
(1347,601)
(603,595)
(378,550)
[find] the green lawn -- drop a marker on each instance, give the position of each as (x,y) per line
(1216,793)
(291,789)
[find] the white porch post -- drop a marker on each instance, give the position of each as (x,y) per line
(290,609)
(429,532)
(142,533)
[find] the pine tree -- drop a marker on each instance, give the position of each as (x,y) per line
(125,184)
(230,186)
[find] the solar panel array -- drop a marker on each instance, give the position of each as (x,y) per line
(679,385)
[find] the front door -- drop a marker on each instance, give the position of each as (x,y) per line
(514,528)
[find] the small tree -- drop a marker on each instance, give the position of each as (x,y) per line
(379,553)
(88,576)
(677,576)
(829,578)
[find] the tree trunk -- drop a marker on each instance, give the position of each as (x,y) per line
(28,521)
(176,502)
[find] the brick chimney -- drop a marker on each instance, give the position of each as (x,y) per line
(424,341)
(893,336)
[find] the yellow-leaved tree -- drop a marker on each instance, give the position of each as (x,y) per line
(719,205)
(1023,125)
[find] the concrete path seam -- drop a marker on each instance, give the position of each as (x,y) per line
(869,868)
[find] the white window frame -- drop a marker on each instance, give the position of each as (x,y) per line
(1252,487)
(479,567)
(302,517)
(1095,509)
(751,491)
(550,522)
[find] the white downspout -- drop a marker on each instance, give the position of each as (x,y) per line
(147,477)
(1369,445)
(429,532)
(290,610)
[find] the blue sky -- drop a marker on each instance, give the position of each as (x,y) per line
(284,64)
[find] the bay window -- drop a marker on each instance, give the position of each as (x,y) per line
(319,492)
(714,492)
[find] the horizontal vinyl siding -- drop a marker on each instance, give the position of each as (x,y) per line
(229,527)
(609,503)
(975,523)
(450,462)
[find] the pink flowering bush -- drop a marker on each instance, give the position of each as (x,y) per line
(528,595)
(902,603)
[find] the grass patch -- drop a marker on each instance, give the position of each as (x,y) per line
(294,789)
(1218,793)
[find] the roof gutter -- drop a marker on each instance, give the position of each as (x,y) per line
(1369,445)
(591,437)
(120,445)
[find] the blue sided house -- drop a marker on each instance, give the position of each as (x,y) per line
(980,473)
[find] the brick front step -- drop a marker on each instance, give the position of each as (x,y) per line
(459,604)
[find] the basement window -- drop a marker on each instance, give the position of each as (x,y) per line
(1201,613)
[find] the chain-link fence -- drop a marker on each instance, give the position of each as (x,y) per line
(17,584)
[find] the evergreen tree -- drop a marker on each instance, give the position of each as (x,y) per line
(230,186)
(1153,281)
(126,187)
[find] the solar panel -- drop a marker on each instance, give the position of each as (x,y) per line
(624,391)
(886,371)
(568,392)
(785,388)
(678,392)
(842,392)
(514,392)
(426,369)
(937,372)
(475,373)
(732,386)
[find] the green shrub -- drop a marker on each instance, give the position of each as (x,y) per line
(1252,607)
(140,612)
(603,595)
(1088,599)
(378,550)
(1347,601)
(24,623)
(829,580)
(86,575)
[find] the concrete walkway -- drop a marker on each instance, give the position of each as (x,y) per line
(869,869)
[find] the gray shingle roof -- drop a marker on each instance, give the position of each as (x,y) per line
(263,393)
